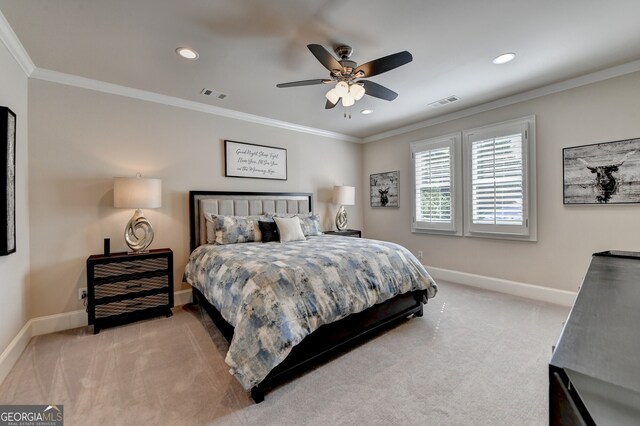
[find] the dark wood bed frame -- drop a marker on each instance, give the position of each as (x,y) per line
(328,339)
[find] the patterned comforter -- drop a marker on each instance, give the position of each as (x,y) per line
(275,294)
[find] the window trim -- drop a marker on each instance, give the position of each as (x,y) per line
(454,141)
(527,232)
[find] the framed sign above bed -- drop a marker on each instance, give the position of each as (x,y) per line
(248,160)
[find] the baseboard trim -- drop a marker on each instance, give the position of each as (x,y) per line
(54,323)
(182,297)
(58,322)
(514,288)
(11,354)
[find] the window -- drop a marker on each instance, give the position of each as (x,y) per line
(435,176)
(499,180)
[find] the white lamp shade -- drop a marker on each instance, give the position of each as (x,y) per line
(345,195)
(342,88)
(332,96)
(137,193)
(348,100)
(356,91)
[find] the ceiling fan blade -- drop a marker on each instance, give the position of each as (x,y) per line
(329,105)
(385,64)
(304,83)
(378,91)
(324,57)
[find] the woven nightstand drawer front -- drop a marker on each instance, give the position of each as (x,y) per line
(131,267)
(132,305)
(132,286)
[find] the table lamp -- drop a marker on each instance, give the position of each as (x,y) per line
(137,193)
(345,196)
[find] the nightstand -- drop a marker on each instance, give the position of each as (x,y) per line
(123,287)
(346,233)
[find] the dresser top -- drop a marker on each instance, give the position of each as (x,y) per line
(601,338)
(124,255)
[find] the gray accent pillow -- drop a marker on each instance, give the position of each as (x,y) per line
(223,229)
(310,225)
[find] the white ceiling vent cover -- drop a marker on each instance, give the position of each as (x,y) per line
(444,101)
(214,93)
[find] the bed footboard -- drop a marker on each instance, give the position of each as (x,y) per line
(329,338)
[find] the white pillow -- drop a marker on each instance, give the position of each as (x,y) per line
(289,229)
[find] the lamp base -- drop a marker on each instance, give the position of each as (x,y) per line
(341,219)
(138,224)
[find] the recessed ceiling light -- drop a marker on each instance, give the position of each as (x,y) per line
(187,53)
(504,58)
(366,111)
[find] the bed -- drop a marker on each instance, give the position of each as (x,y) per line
(280,310)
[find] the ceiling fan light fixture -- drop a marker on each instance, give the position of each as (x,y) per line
(332,96)
(342,88)
(348,100)
(357,91)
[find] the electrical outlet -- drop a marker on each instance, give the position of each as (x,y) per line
(82,293)
(419,254)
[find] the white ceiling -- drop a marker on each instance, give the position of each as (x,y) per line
(246,47)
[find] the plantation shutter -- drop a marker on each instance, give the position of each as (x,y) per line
(433,185)
(496,182)
(434,182)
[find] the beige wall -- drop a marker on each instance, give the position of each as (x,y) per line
(14,268)
(81,139)
(567,235)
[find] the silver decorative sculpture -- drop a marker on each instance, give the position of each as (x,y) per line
(137,193)
(341,219)
(138,223)
(345,196)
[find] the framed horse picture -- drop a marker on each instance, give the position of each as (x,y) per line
(384,189)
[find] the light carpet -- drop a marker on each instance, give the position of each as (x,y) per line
(475,358)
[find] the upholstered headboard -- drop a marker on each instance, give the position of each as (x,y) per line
(240,204)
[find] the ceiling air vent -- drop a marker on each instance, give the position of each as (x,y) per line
(444,101)
(211,92)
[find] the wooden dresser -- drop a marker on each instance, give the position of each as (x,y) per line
(124,287)
(594,373)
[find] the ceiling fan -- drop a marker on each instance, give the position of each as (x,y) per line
(347,75)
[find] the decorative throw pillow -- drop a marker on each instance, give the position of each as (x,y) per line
(269,231)
(310,225)
(232,229)
(289,229)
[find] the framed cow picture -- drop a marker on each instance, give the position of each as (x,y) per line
(602,173)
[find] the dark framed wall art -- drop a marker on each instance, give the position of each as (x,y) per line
(384,189)
(602,173)
(8,182)
(249,160)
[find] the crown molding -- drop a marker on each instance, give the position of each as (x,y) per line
(17,50)
(584,80)
(116,89)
